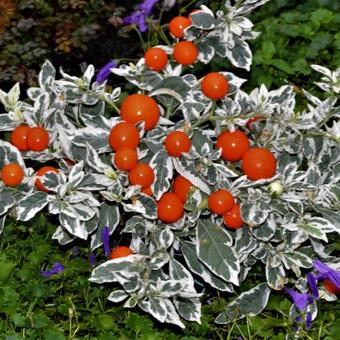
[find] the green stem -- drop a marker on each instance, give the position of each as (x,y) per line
(113,105)
(169,109)
(182,9)
(140,36)
(163,36)
(32,305)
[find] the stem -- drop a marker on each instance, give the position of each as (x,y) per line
(32,305)
(163,36)
(186,6)
(231,330)
(169,109)
(210,117)
(140,36)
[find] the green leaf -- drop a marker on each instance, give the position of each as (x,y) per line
(282,65)
(249,303)
(322,16)
(6,267)
(214,249)
(268,51)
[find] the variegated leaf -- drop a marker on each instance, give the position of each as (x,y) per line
(30,205)
(206,52)
(189,309)
(62,236)
(190,256)
(128,265)
(204,21)
(158,259)
(7,201)
(144,205)
(118,296)
(187,169)
(214,249)
(47,71)
(73,226)
(96,137)
(174,86)
(163,169)
(7,123)
(178,272)
(154,306)
(265,231)
(240,55)
(298,259)
(333,217)
(94,161)
(314,230)
(10,154)
(249,303)
(2,222)
(172,315)
(275,275)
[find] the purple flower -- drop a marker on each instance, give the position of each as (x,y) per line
(106,240)
(92,259)
(138,17)
(147,6)
(312,284)
(301,300)
(327,272)
(104,72)
(308,320)
(57,268)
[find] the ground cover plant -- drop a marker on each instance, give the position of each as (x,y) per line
(196,182)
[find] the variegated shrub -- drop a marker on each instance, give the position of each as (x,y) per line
(290,219)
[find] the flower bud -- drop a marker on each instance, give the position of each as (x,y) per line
(276,188)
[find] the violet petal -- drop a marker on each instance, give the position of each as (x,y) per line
(92,259)
(106,240)
(104,72)
(308,320)
(312,284)
(56,269)
(300,299)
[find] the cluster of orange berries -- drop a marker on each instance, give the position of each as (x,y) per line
(214,85)
(184,52)
(26,138)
